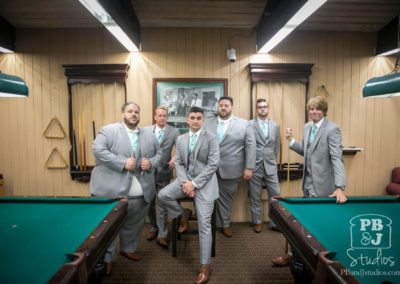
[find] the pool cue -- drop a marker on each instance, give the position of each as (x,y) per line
(84,141)
(93,122)
(94,126)
(80,144)
(102,106)
(74,150)
(287,191)
(281,130)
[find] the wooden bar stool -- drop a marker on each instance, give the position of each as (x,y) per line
(175,224)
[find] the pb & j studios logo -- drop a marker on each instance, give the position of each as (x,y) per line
(370,241)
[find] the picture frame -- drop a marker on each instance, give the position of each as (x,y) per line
(179,94)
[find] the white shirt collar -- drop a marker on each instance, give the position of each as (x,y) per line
(226,121)
(197,133)
(158,128)
(128,130)
(319,123)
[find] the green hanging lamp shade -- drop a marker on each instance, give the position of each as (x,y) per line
(385,87)
(12,86)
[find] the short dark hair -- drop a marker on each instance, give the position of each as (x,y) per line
(195,109)
(261,101)
(127,104)
(226,98)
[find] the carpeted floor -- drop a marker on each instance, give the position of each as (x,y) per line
(244,258)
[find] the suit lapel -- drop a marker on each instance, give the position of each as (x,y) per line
(185,149)
(228,130)
(198,144)
(318,135)
(269,130)
(139,146)
(167,131)
(127,140)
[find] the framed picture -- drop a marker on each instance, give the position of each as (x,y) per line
(178,95)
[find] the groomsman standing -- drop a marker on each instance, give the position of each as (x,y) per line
(166,136)
(196,161)
(237,147)
(267,135)
(126,157)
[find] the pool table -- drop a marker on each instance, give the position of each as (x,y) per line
(354,242)
(55,240)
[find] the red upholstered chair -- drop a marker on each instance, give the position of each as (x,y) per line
(394,187)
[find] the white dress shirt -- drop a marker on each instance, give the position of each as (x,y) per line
(136,187)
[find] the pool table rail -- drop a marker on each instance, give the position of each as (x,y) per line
(306,246)
(92,250)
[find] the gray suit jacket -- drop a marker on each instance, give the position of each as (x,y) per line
(163,172)
(327,166)
(237,149)
(206,157)
(267,148)
(112,147)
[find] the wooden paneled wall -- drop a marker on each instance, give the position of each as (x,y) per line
(343,63)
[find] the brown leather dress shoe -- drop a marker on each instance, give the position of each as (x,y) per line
(162,242)
(283,260)
(151,235)
(257,228)
(204,274)
(109,266)
(131,255)
(184,223)
(227,232)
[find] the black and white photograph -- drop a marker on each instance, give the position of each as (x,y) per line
(178,95)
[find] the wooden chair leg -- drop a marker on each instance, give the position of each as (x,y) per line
(213,229)
(174,233)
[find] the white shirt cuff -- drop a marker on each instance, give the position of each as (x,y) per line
(291,142)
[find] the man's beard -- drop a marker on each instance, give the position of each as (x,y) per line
(228,114)
(130,124)
(263,116)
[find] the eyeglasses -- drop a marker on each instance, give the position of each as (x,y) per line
(261,107)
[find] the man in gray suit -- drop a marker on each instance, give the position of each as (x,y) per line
(323,174)
(196,161)
(126,157)
(166,136)
(237,147)
(267,135)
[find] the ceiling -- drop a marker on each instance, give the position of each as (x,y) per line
(334,15)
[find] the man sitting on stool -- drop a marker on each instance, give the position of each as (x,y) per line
(196,160)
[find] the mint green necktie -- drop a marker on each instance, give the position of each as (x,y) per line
(312,134)
(192,143)
(220,132)
(264,129)
(135,139)
(160,135)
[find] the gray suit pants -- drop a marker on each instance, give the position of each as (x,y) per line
(131,230)
(227,188)
(167,199)
(152,217)
(255,188)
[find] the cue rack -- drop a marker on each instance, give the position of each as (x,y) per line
(88,85)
